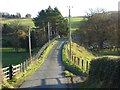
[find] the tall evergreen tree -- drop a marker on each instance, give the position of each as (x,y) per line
(58,25)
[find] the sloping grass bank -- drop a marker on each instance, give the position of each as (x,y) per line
(68,63)
(80,52)
(17,81)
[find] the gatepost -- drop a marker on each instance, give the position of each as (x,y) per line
(10,72)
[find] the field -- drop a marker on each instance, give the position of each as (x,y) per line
(22,21)
(75,23)
(107,52)
(9,56)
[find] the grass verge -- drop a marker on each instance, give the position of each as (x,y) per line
(17,80)
(108,53)
(68,63)
(67,73)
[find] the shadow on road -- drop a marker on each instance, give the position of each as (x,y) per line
(59,56)
(60,83)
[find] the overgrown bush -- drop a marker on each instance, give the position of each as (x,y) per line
(106,70)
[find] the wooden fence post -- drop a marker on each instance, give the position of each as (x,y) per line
(21,70)
(78,61)
(29,62)
(24,66)
(87,66)
(82,64)
(10,72)
(72,57)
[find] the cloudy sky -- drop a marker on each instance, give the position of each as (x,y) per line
(34,6)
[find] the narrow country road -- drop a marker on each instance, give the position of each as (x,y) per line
(50,74)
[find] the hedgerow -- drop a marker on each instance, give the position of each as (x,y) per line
(106,70)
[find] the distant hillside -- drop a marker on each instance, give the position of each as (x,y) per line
(75,22)
(22,21)
(76,17)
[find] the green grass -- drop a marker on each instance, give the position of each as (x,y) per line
(22,21)
(10,56)
(12,50)
(27,22)
(81,52)
(67,73)
(75,23)
(13,58)
(107,52)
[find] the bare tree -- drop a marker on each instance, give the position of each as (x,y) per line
(99,28)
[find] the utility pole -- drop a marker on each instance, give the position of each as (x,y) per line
(1,56)
(70,39)
(49,32)
(30,45)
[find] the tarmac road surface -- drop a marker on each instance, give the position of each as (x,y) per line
(50,74)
